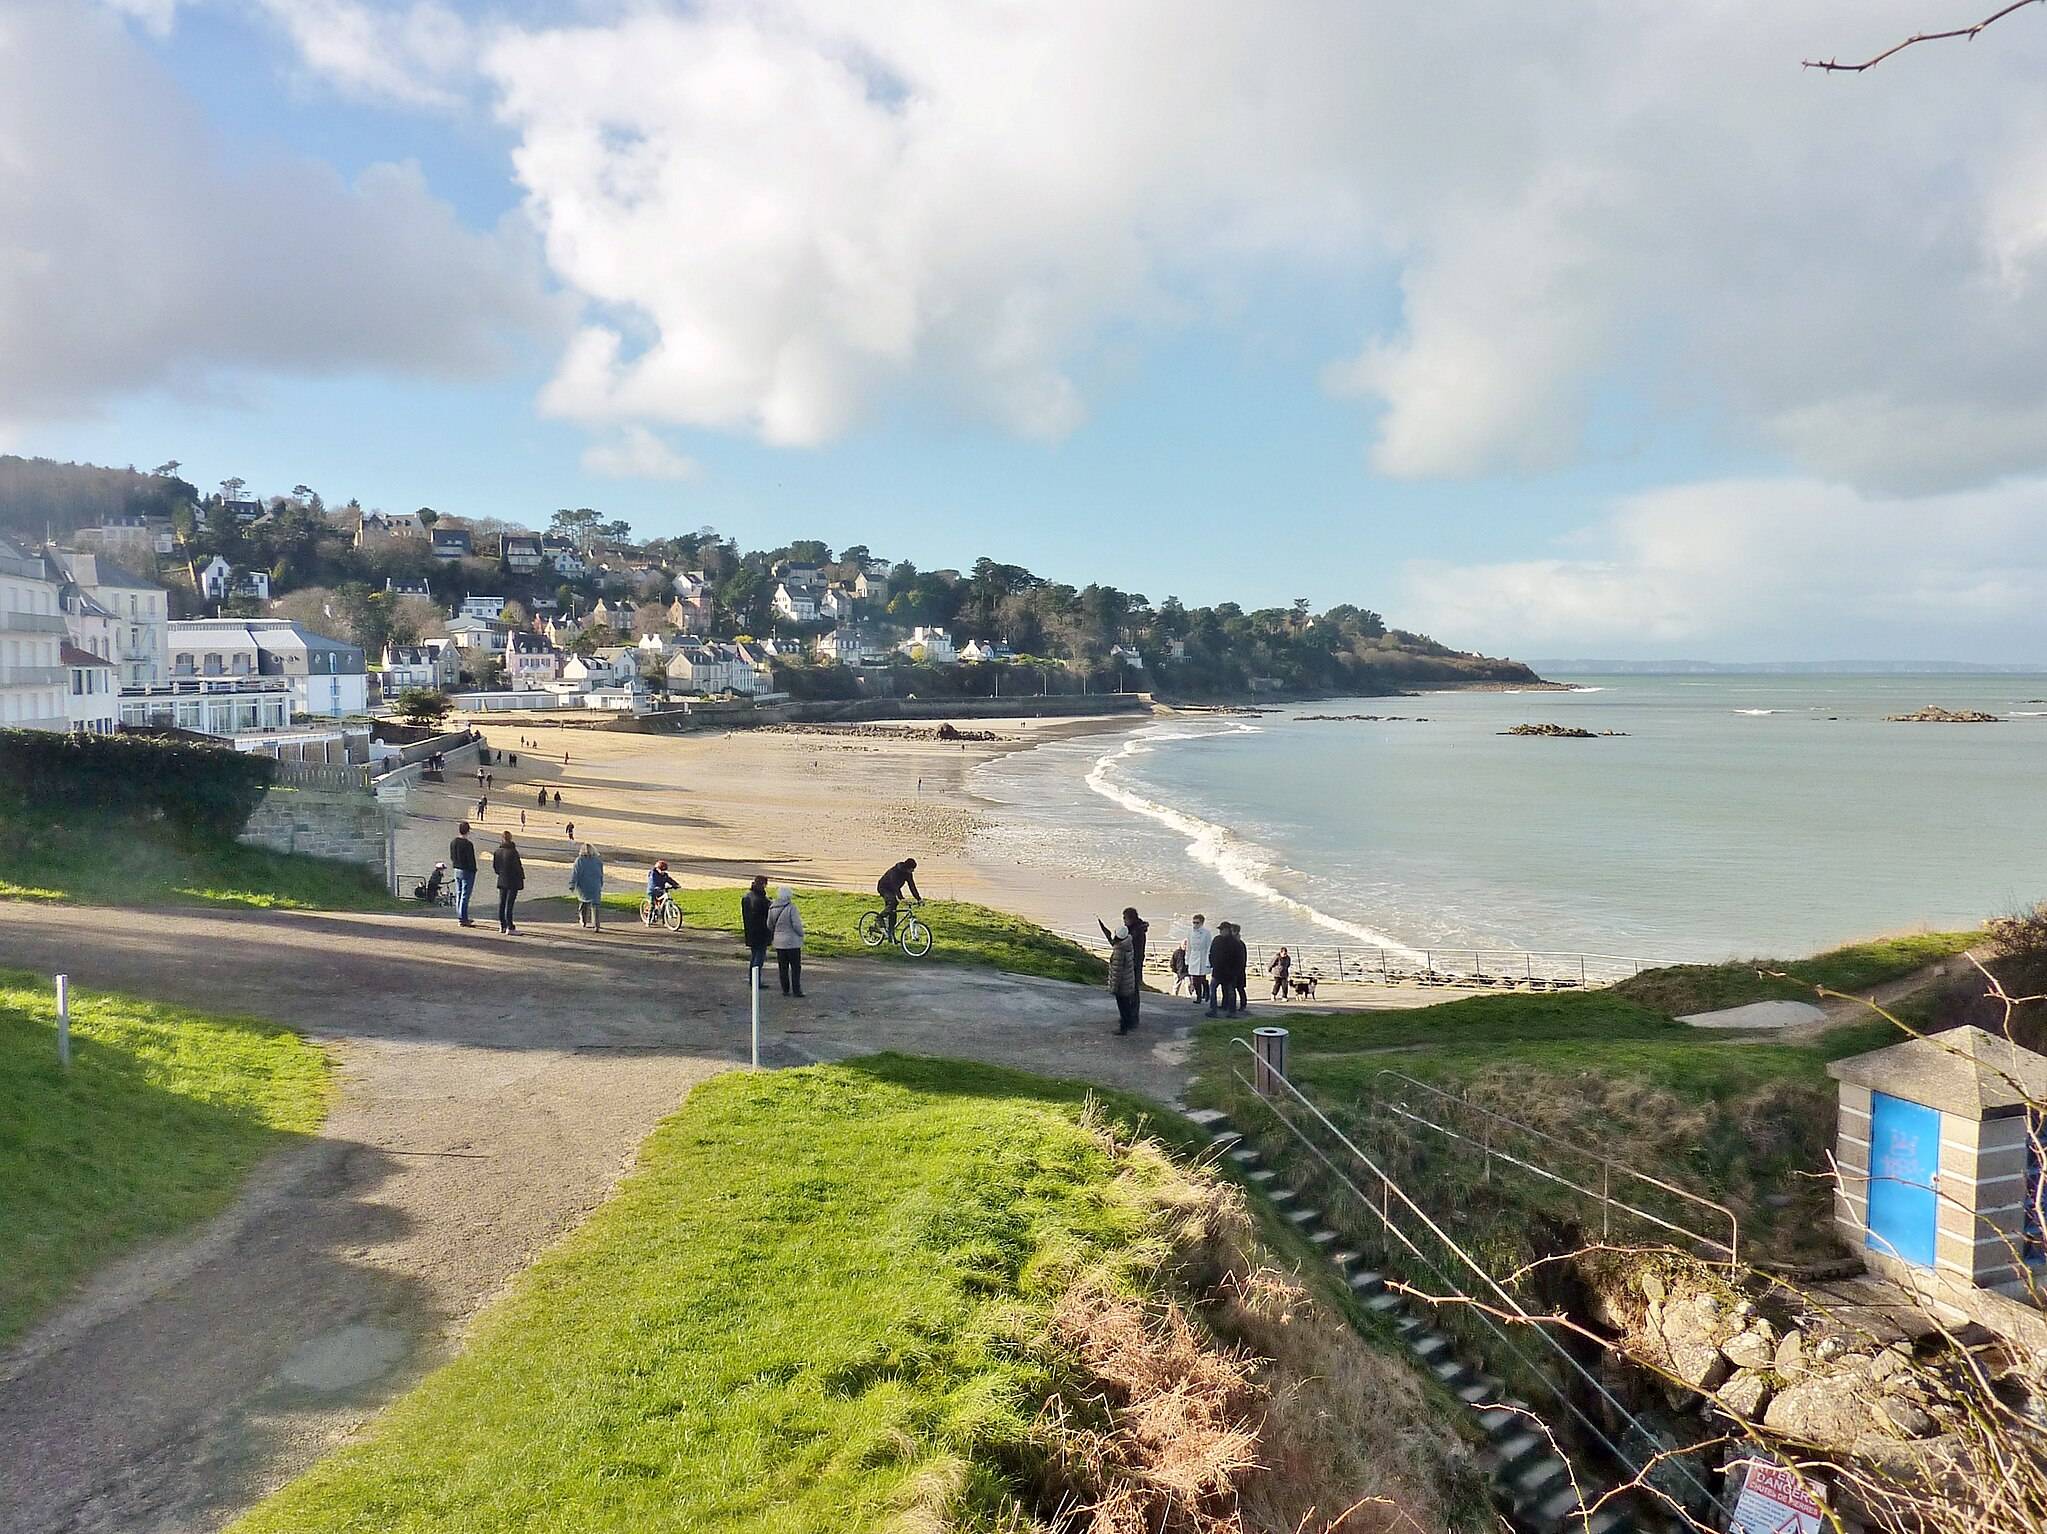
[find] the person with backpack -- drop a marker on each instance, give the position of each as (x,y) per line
(462,858)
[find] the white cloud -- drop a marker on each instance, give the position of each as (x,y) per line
(1766,569)
(783,210)
(132,256)
(411,55)
(156,15)
(636,453)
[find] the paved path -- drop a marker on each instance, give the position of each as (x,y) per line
(492,1090)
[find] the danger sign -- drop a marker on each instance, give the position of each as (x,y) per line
(1773,1501)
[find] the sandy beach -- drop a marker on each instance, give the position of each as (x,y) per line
(809,806)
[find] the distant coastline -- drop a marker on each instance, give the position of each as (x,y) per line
(1585,667)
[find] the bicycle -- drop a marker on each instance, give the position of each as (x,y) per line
(661,912)
(910,934)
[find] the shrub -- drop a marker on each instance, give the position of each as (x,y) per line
(424,706)
(200,790)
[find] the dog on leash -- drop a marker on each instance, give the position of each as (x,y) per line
(1304,989)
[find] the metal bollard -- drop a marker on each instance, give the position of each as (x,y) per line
(1269,1044)
(64,1021)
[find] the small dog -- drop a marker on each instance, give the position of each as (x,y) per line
(1305,989)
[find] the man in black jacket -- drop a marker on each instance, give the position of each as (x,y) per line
(1230,959)
(753,921)
(890,887)
(462,858)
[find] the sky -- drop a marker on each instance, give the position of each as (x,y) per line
(1586,330)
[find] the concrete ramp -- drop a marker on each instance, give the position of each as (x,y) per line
(1759,1014)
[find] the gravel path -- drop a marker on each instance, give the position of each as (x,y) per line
(491,1091)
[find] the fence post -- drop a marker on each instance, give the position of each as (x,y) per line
(754,971)
(64,1021)
(1269,1045)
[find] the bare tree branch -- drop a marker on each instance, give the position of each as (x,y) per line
(1921,37)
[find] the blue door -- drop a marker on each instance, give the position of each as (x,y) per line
(1904,1155)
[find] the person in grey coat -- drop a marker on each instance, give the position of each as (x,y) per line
(785,932)
(1123,980)
(586,882)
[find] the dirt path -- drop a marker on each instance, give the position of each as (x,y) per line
(491,1092)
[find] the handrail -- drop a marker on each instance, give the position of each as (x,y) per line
(1389,1187)
(1608,1165)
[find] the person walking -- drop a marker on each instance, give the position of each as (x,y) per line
(570,830)
(1122,976)
(462,858)
(1281,969)
(482,808)
(753,922)
(1199,963)
(543,798)
(506,863)
(1178,965)
(785,931)
(586,881)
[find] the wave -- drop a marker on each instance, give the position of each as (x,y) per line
(2026,713)
(1242,864)
(1755,713)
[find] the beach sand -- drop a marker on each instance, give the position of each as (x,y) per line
(818,807)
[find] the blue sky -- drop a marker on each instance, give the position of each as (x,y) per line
(1180,299)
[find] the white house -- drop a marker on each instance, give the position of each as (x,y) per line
(93,704)
(797,600)
(836,601)
(613,666)
(395,587)
(929,646)
(717,668)
(984,651)
(480,636)
(433,664)
(848,646)
(33,678)
(871,584)
(474,606)
(520,551)
(563,556)
(139,607)
(529,658)
(325,676)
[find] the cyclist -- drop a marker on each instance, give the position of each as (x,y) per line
(658,881)
(890,887)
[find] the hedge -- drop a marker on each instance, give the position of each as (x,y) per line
(204,790)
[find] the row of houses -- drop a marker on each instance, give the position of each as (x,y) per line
(523,553)
(88,645)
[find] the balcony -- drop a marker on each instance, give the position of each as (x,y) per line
(34,676)
(32,623)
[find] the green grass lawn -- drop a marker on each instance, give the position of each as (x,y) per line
(1682,989)
(118,865)
(961,932)
(815,1305)
(161,1114)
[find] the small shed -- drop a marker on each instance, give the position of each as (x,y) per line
(1939,1160)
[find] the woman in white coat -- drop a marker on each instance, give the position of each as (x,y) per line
(1198,968)
(785,934)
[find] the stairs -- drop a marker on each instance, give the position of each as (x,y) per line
(1529,1477)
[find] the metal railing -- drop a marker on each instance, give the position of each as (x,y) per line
(1483,968)
(1608,1166)
(1489,1312)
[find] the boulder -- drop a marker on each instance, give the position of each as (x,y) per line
(1754,1347)
(1791,1351)
(1744,1394)
(1904,1417)
(1820,1409)
(1653,1289)
(1697,1362)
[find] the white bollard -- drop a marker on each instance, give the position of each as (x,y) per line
(755,970)
(64,1021)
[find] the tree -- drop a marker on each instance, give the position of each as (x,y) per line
(231,489)
(168,470)
(620,531)
(516,615)
(650,618)
(417,618)
(427,517)
(577,526)
(424,706)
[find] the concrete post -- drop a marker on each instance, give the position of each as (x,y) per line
(754,970)
(1269,1044)
(64,1021)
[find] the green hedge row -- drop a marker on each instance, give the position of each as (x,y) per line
(203,790)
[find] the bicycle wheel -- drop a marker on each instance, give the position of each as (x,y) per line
(873,930)
(916,938)
(647,913)
(671,916)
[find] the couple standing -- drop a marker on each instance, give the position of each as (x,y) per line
(1219,965)
(775,924)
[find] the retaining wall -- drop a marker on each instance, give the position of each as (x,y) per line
(347,824)
(738,714)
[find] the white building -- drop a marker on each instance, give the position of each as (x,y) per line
(432,664)
(474,606)
(92,701)
(710,668)
(480,636)
(323,676)
(798,600)
(520,551)
(929,647)
(563,556)
(871,584)
(985,651)
(139,607)
(220,580)
(848,646)
(33,678)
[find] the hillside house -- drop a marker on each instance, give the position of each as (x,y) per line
(377,527)
(433,664)
(451,543)
(798,600)
(480,605)
(479,637)
(520,552)
(395,588)
(929,646)
(530,658)
(980,652)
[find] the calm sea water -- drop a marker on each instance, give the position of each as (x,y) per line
(1733,816)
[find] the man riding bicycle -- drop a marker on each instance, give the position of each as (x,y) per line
(890,887)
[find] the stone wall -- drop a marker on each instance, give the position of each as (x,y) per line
(347,824)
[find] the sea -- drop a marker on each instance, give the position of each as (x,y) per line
(1723,816)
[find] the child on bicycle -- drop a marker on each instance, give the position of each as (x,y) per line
(658,881)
